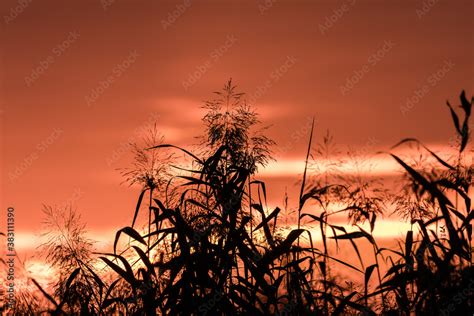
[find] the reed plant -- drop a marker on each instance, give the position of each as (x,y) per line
(213,247)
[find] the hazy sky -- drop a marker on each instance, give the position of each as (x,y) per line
(80,78)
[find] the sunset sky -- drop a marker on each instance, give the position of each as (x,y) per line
(80,79)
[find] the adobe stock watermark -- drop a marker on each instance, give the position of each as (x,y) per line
(205,308)
(115,74)
(56,52)
(265,5)
(40,148)
(460,297)
(274,77)
(214,56)
(296,136)
(431,81)
(336,15)
(426,7)
(358,74)
(175,14)
(106,4)
(124,146)
(15,11)
(367,147)
(77,194)
(8,298)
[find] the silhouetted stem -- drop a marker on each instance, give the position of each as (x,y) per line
(304,181)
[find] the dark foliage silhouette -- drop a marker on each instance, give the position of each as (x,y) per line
(212,246)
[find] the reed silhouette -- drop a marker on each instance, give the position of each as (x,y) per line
(211,246)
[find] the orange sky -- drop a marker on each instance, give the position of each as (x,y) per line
(78,79)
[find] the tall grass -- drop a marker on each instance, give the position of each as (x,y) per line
(212,246)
